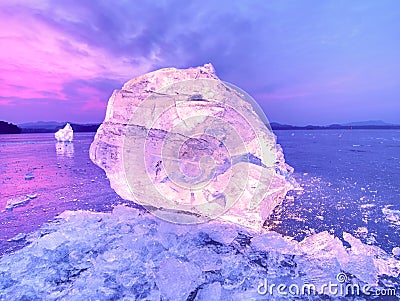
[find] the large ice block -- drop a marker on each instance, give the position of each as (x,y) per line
(190,148)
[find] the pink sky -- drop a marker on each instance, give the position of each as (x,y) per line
(35,68)
(311,63)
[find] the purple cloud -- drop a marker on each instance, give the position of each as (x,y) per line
(292,57)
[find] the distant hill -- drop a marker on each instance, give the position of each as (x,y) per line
(9,128)
(278,126)
(53,126)
(373,124)
(368,123)
(41,125)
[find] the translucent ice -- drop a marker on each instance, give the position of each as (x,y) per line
(190,147)
(17,202)
(177,278)
(210,292)
(132,255)
(66,134)
(29,176)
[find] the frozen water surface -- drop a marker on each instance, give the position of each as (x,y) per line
(63,178)
(351,181)
(346,221)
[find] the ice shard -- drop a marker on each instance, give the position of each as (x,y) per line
(190,148)
(65,135)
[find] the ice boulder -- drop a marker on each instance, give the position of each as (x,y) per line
(65,135)
(190,148)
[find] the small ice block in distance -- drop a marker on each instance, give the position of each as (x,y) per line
(65,135)
(29,176)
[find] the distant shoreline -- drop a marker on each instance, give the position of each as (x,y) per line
(339,127)
(275,127)
(38,131)
(93,128)
(8,128)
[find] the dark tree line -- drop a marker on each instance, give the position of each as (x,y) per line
(9,128)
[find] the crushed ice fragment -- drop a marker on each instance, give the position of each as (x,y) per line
(32,196)
(29,176)
(131,255)
(210,292)
(391,215)
(224,234)
(17,202)
(17,237)
(177,279)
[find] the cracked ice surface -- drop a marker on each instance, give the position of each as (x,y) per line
(129,254)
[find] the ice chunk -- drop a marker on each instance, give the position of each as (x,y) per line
(222,233)
(65,135)
(376,259)
(190,148)
(356,266)
(324,244)
(391,215)
(318,270)
(29,176)
(17,202)
(272,241)
(131,255)
(51,241)
(176,279)
(206,259)
(18,237)
(358,248)
(396,251)
(32,195)
(211,292)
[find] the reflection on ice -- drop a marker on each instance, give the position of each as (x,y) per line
(131,254)
(65,149)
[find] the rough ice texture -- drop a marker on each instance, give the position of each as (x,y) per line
(108,149)
(19,201)
(131,255)
(65,135)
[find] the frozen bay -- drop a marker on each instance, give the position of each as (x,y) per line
(350,181)
(63,178)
